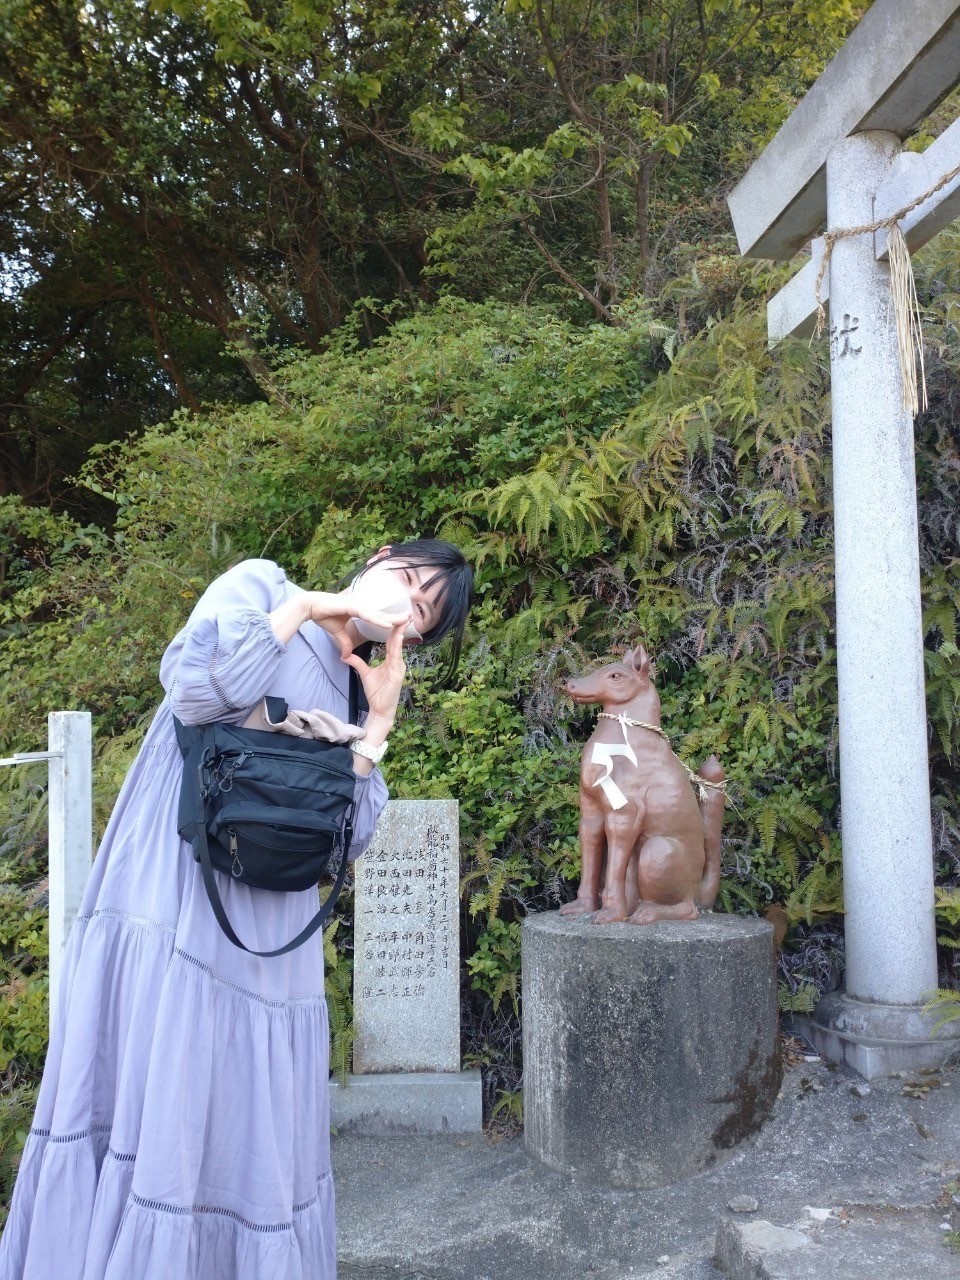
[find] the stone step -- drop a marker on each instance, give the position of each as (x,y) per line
(873,1242)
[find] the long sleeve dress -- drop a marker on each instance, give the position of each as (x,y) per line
(182,1126)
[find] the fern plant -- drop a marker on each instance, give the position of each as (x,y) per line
(338,987)
(16,1111)
(945,1006)
(820,892)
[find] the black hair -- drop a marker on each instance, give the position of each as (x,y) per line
(454,576)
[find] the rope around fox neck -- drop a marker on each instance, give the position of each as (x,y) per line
(637,724)
(703,784)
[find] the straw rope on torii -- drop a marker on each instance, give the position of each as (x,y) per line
(903,291)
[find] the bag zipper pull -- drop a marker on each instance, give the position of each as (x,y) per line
(226,780)
(236,866)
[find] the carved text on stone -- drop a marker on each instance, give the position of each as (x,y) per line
(405,917)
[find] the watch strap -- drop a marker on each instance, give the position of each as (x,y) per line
(369,752)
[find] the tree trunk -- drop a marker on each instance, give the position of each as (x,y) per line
(184,392)
(608,280)
(642,195)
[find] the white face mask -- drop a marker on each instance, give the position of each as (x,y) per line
(381,588)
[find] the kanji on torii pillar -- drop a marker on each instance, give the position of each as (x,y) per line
(837,161)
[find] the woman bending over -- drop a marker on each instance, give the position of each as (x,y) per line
(182,1126)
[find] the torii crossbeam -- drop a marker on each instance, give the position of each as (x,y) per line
(837,161)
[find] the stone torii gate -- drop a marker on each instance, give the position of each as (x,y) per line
(838,161)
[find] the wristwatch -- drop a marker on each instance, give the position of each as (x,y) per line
(361,748)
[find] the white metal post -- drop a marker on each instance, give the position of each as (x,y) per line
(71,828)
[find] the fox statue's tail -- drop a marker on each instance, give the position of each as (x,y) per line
(711,801)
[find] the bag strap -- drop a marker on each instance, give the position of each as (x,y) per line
(355,693)
(216,902)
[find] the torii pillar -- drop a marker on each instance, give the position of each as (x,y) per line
(838,159)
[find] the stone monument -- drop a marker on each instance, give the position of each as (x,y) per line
(406,981)
(837,161)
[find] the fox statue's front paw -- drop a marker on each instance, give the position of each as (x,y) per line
(651,912)
(613,911)
(580,906)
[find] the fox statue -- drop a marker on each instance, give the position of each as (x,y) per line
(650,844)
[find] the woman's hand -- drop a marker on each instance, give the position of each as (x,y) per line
(332,611)
(382,684)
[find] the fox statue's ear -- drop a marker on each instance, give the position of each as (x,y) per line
(640,661)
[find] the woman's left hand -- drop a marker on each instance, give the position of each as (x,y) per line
(382,684)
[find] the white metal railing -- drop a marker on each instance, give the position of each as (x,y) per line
(69,757)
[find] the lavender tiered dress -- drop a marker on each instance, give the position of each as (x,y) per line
(182,1127)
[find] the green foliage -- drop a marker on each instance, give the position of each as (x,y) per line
(948,914)
(24,943)
(495,964)
(23,1007)
(507,1111)
(386,442)
(16,1112)
(802,1000)
(590,185)
(338,985)
(190,186)
(24,948)
(946,1006)
(100,332)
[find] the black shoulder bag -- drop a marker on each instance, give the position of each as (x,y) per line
(268,809)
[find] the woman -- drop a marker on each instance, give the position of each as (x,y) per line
(182,1127)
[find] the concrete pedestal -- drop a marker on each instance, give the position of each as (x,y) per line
(649,1051)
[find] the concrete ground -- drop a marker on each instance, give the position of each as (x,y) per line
(851,1182)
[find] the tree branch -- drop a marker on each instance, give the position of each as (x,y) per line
(603,312)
